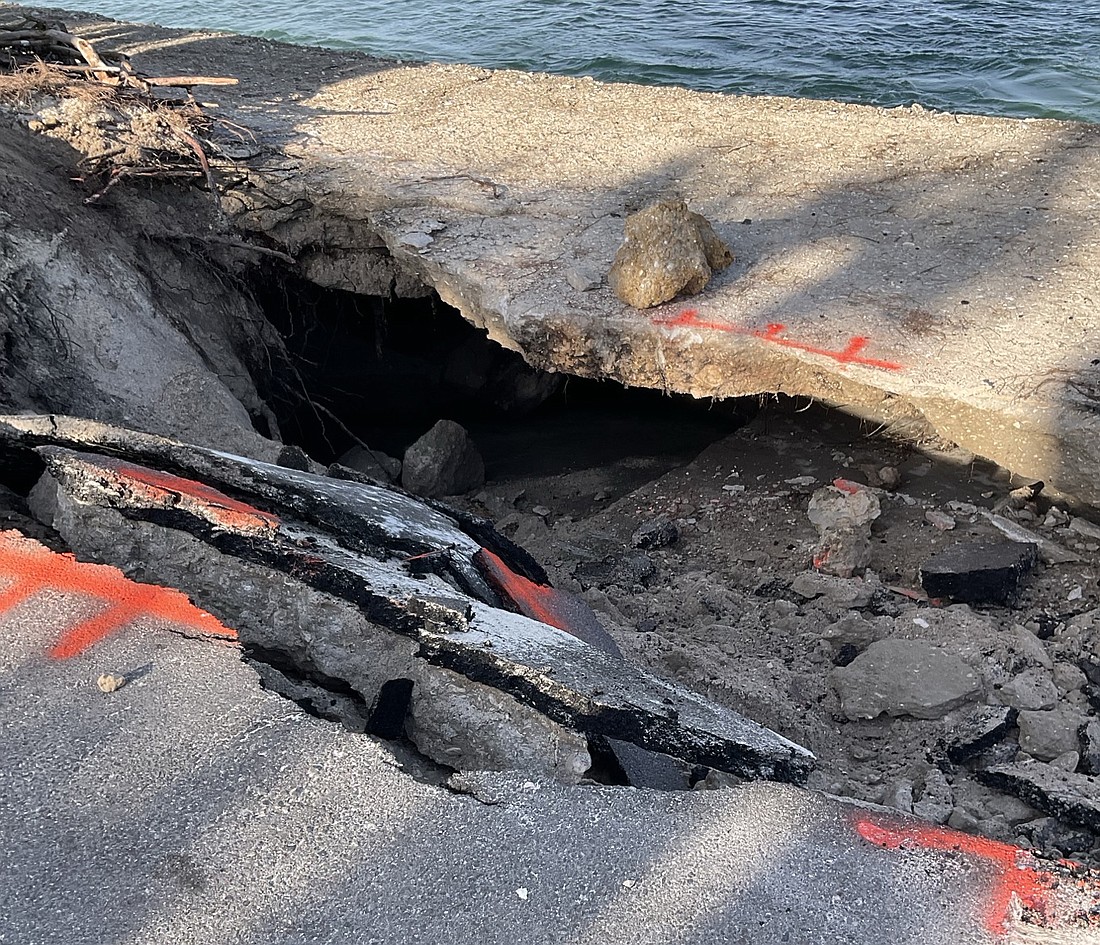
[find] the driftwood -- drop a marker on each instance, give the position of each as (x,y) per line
(60,43)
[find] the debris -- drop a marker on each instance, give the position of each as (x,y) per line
(843,519)
(1074,798)
(373,463)
(667,250)
(570,682)
(110,682)
(848,592)
(935,800)
(978,572)
(981,728)
(523,893)
(294,457)
(1045,734)
(1076,593)
(904,677)
(1090,747)
(444,461)
(890,478)
(940,520)
(1019,498)
(1085,528)
(1050,552)
(1032,689)
(656,533)
(583,279)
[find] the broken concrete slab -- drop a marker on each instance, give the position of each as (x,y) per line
(979,572)
(932,270)
(1074,798)
(554,673)
(904,677)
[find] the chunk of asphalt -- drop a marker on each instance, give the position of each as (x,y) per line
(1074,798)
(987,572)
(979,730)
(570,682)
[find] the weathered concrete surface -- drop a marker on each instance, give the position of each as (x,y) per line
(916,266)
(192,807)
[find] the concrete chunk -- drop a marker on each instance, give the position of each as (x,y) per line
(979,572)
(904,677)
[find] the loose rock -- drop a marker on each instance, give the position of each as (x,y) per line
(1048,734)
(1032,689)
(373,463)
(110,682)
(904,677)
(843,518)
(655,534)
(444,461)
(668,250)
(1090,747)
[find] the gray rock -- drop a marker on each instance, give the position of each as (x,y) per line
(373,463)
(935,799)
(1032,689)
(1067,762)
(899,795)
(444,461)
(904,677)
(668,250)
(1047,734)
(847,592)
(468,726)
(961,820)
(1067,677)
(1010,809)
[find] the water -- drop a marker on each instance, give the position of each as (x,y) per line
(1001,57)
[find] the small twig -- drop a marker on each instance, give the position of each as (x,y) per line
(430,554)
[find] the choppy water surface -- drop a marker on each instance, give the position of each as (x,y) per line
(1005,57)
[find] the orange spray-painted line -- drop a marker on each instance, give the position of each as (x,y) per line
(544,603)
(32,567)
(852,353)
(221,509)
(1016,873)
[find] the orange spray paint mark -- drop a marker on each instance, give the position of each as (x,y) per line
(1016,873)
(544,603)
(32,567)
(156,485)
(847,486)
(852,353)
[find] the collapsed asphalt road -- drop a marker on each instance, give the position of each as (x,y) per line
(189,805)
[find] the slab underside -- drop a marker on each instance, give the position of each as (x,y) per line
(928,269)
